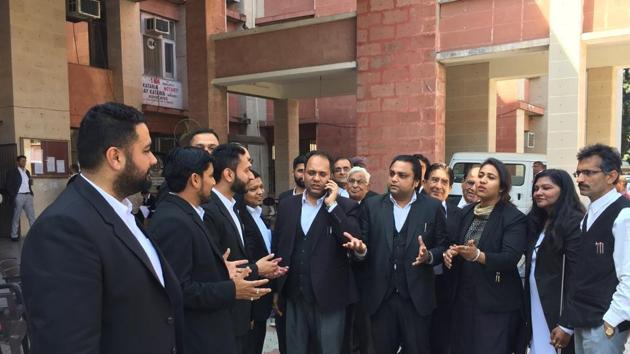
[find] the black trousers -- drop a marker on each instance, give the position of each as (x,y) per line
(477,332)
(397,324)
(258,336)
(358,338)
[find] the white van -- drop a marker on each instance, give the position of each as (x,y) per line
(519,165)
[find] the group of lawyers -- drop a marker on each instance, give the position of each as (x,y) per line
(406,270)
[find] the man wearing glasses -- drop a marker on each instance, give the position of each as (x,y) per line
(341,168)
(359,184)
(599,306)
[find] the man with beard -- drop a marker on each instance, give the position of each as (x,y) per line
(312,237)
(405,233)
(178,228)
(232,173)
(93,281)
(298,177)
(341,167)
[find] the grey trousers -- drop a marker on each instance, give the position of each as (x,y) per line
(306,323)
(22,202)
(594,341)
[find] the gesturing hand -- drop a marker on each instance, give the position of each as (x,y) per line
(233,266)
(423,253)
(559,338)
(250,290)
(468,251)
(354,244)
(448,256)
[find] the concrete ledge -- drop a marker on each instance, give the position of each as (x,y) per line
(607,37)
(293,16)
(489,52)
(283,26)
(288,74)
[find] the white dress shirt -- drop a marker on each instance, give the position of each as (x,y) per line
(401,213)
(462,203)
(343,192)
(540,330)
(123,210)
(229,205)
(619,309)
(24,185)
(256,213)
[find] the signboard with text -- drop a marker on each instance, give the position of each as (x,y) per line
(161,92)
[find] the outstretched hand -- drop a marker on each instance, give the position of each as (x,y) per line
(354,244)
(423,253)
(234,269)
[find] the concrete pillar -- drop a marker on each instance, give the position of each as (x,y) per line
(124,49)
(470,109)
(602,113)
(34,100)
(286,135)
(567,84)
(207,104)
(400,86)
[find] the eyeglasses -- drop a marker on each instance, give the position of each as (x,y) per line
(352,181)
(586,173)
(342,169)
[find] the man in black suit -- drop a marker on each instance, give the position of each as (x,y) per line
(258,239)
(438,185)
(93,280)
(232,173)
(20,192)
(298,177)
(178,229)
(405,233)
(313,237)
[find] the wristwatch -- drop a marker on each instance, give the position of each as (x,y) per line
(609,330)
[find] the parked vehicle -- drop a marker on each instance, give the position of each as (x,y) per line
(519,165)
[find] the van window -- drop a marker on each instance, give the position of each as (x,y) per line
(516,170)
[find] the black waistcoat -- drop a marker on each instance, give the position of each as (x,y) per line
(299,278)
(398,280)
(596,278)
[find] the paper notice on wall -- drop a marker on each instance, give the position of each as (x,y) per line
(39,168)
(61,166)
(50,164)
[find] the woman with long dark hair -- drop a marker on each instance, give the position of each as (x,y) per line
(554,238)
(488,293)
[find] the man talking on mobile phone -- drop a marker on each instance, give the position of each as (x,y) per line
(313,237)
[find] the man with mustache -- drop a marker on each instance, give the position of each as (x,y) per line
(469,188)
(298,177)
(599,306)
(312,237)
(232,173)
(93,280)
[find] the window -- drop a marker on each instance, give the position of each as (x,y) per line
(159,46)
(516,170)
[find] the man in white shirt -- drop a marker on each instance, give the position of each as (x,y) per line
(93,280)
(469,188)
(19,184)
(599,306)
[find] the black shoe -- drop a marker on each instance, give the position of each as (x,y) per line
(15,239)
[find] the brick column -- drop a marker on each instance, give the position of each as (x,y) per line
(286,135)
(124,50)
(400,86)
(567,84)
(207,104)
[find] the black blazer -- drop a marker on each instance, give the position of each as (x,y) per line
(223,228)
(445,283)
(89,286)
(377,228)
(14,181)
(285,194)
(504,240)
(256,249)
(333,281)
(208,291)
(548,272)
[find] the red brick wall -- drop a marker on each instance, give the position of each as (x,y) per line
(478,23)
(602,15)
(161,8)
(336,125)
(507,96)
(285,7)
(87,86)
(400,87)
(333,7)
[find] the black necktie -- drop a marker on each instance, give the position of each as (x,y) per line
(584,223)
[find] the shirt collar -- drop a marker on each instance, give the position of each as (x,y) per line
(414,196)
(227,202)
(257,211)
(320,201)
(603,201)
(121,208)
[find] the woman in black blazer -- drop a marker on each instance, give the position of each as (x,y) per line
(554,239)
(488,293)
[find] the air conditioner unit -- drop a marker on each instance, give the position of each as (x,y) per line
(158,26)
(530,139)
(83,9)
